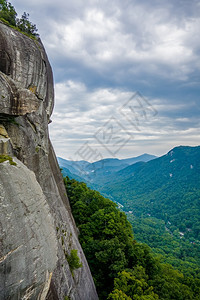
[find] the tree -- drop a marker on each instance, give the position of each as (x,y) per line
(26,26)
(9,16)
(134,284)
(7,12)
(118,295)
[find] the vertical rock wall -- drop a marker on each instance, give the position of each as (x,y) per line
(36,213)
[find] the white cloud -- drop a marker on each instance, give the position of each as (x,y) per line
(77,123)
(101,51)
(102,38)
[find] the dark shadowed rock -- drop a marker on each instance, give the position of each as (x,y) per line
(35,184)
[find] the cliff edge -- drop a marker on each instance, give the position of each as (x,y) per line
(37,230)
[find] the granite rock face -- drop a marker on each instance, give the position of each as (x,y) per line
(29,245)
(37,228)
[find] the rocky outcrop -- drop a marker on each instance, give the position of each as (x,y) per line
(37,229)
(29,245)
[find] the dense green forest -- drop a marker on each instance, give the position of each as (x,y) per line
(8,15)
(121,267)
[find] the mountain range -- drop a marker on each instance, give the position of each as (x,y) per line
(91,173)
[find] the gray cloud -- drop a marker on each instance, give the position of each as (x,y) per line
(102,52)
(77,122)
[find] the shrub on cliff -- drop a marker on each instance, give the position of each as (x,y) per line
(7,12)
(73,260)
(26,26)
(8,15)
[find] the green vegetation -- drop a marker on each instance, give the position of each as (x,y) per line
(73,260)
(161,199)
(8,15)
(7,12)
(121,267)
(5,158)
(171,247)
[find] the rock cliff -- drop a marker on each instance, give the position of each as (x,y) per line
(37,230)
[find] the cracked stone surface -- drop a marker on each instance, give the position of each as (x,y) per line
(24,60)
(28,241)
(33,250)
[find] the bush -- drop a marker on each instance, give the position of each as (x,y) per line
(7,12)
(73,260)
(8,15)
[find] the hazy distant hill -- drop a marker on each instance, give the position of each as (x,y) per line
(99,171)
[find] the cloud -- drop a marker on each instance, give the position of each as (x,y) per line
(150,38)
(100,42)
(82,113)
(102,52)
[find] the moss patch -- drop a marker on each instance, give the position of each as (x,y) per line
(7,157)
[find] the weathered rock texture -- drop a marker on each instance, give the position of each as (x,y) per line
(36,225)
(29,244)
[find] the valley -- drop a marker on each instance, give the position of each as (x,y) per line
(160,196)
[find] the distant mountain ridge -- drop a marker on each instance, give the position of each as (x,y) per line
(180,165)
(92,172)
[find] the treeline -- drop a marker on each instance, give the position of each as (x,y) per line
(8,15)
(121,267)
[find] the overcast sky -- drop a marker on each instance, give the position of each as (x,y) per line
(127,74)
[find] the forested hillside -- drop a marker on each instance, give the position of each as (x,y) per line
(162,201)
(122,268)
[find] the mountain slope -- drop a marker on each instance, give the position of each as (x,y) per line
(167,180)
(162,201)
(161,198)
